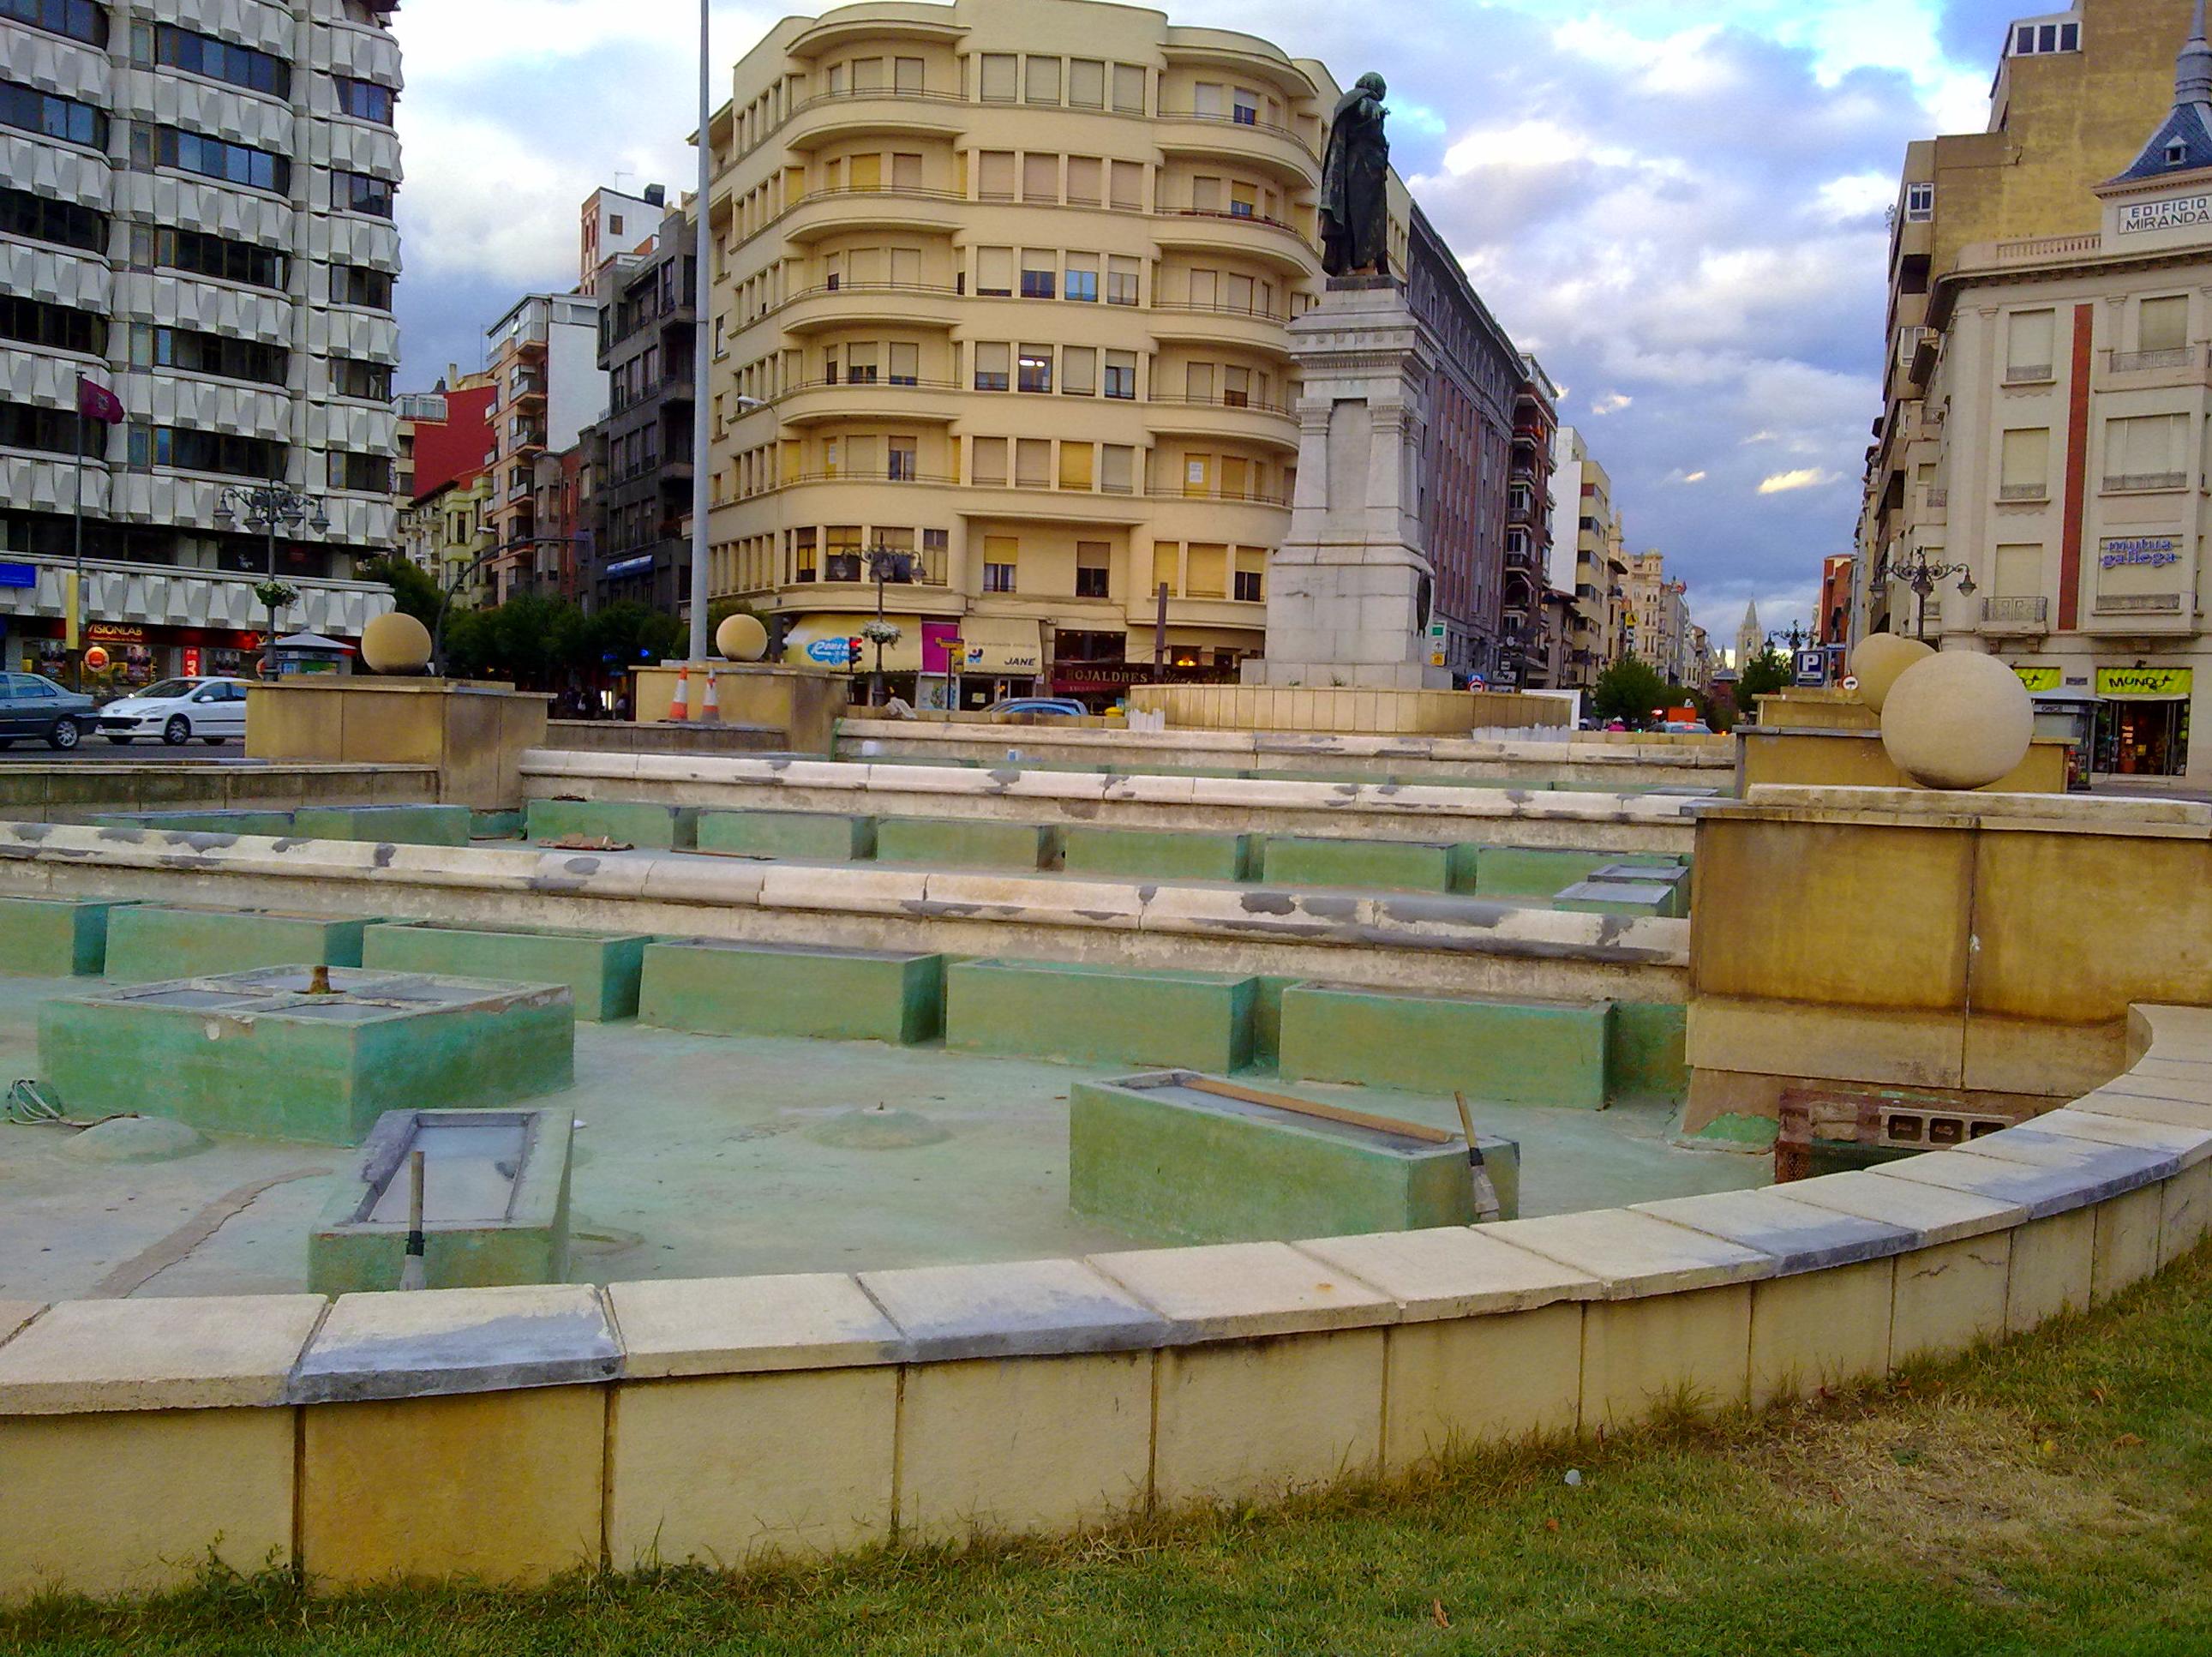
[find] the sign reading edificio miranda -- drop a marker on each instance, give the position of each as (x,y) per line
(2174,213)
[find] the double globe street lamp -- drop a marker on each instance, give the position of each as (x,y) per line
(264,507)
(1921,573)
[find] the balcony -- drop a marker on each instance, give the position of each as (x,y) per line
(2016,615)
(1213,232)
(914,401)
(866,112)
(2144,482)
(821,213)
(523,388)
(1276,150)
(167,596)
(2141,612)
(1217,323)
(2144,361)
(841,304)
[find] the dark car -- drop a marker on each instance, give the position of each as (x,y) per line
(31,705)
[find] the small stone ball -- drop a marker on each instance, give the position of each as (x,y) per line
(1958,720)
(1878,659)
(741,638)
(395,642)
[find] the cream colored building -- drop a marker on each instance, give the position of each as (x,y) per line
(1589,562)
(1658,608)
(1003,286)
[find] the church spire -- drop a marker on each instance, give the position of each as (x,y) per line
(2183,143)
(2192,81)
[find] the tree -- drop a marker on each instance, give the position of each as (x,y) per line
(1765,674)
(414,592)
(1628,691)
(627,633)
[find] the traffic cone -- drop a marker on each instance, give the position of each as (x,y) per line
(679,709)
(710,710)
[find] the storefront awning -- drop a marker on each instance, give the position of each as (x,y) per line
(820,640)
(1012,645)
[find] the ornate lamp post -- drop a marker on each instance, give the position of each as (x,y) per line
(262,507)
(884,564)
(1921,574)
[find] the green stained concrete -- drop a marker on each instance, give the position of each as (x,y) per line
(601,969)
(1626,897)
(1159,854)
(966,842)
(54,936)
(406,825)
(813,836)
(246,1053)
(1294,860)
(200,822)
(1758,1134)
(1644,1057)
(497,825)
(1100,1014)
(717,987)
(148,942)
(1169,1159)
(1528,1052)
(629,822)
(1267,1017)
(1505,871)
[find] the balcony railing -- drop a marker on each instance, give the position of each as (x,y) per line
(2029,613)
(2127,483)
(2158,604)
(1938,499)
(1225,401)
(2026,492)
(2137,362)
(2028,373)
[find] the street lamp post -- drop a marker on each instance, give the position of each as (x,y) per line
(262,507)
(886,564)
(703,290)
(1921,574)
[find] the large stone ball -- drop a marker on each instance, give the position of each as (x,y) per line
(1878,659)
(395,642)
(1959,720)
(741,638)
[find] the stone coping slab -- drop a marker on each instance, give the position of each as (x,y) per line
(1937,807)
(2101,1162)
(1015,1308)
(749,1325)
(198,1353)
(2040,1190)
(1232,1291)
(1633,1255)
(14,1314)
(1799,1237)
(1453,1271)
(1934,1213)
(2192,1144)
(457,1340)
(2175,1113)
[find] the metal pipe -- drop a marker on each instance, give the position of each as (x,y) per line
(702,365)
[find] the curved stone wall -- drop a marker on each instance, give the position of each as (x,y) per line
(509,1434)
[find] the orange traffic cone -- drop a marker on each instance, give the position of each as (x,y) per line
(680,709)
(710,710)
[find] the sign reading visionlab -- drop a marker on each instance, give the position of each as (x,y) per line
(2174,213)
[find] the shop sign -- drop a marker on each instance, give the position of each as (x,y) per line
(19,575)
(2173,213)
(2145,683)
(2040,680)
(2155,551)
(831,652)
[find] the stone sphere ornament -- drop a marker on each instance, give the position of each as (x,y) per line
(1878,659)
(395,642)
(741,638)
(1958,720)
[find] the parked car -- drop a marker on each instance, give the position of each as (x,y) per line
(177,710)
(1038,704)
(32,705)
(1687,728)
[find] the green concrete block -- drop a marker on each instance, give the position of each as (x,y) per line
(1631,899)
(1163,1156)
(1296,860)
(1100,1014)
(1158,854)
(626,822)
(1675,877)
(1503,1052)
(601,969)
(1504,871)
(150,941)
(252,1053)
(1267,1017)
(54,937)
(406,825)
(273,823)
(496,1203)
(718,987)
(1645,1056)
(811,835)
(497,825)
(966,842)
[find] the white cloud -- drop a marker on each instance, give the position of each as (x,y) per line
(1784,483)
(1687,477)
(1612,402)
(1675,64)
(1856,196)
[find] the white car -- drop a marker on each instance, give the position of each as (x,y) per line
(177,710)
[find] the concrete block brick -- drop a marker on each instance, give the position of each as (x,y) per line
(1642,1355)
(742,1325)
(137,1503)
(1243,1420)
(1950,1296)
(2183,1221)
(2053,1264)
(150,941)
(517,1475)
(1100,1014)
(458,1340)
(727,1470)
(1616,897)
(1820,1328)
(411,826)
(2126,1250)
(1509,872)
(601,969)
(54,937)
(719,987)
(1302,860)
(182,1353)
(1158,854)
(1632,1254)
(1012,1309)
(1463,1383)
(966,842)
(1519,1052)
(626,822)
(1453,1272)
(1035,1444)
(1800,1237)
(1646,1059)
(1245,1290)
(1934,1213)
(808,836)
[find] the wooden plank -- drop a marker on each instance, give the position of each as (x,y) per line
(1327,1112)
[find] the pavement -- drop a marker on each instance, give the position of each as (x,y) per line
(97,749)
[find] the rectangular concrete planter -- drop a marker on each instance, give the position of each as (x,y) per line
(1538,872)
(54,937)
(1386,865)
(1159,854)
(810,835)
(719,988)
(150,941)
(406,825)
(1506,1053)
(1168,1159)
(250,1053)
(966,842)
(1618,897)
(629,822)
(495,1202)
(601,969)
(1100,1015)
(199,822)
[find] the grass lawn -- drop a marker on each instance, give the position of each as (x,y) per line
(2046,1496)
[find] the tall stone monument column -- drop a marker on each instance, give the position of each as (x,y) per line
(1348,592)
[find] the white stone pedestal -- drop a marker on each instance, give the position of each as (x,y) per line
(1345,591)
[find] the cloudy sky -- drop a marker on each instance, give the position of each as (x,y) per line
(1678,207)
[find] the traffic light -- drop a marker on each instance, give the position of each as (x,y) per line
(852,648)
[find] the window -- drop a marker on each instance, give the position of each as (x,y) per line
(1117,464)
(1076,470)
(802,555)
(1086,83)
(355,284)
(1041,83)
(1000,554)
(905,364)
(81,20)
(367,100)
(1093,562)
(1129,186)
(357,192)
(1244,107)
(1919,202)
(987,461)
(226,356)
(1207,566)
(860,364)
(211,158)
(1243,200)
(223,452)
(1032,462)
(1251,568)
(203,54)
(906,172)
(998,77)
(994,174)
(2033,39)
(2018,572)
(368,473)
(1166,567)
(994,273)
(1079,370)
(1084,173)
(1205,193)
(994,365)
(1208,100)
(902,462)
(199,254)
(867,172)
(906,267)
(2029,337)
(1040,177)
(1198,474)
(1034,369)
(907,73)
(1082,281)
(64,223)
(1122,374)
(1039,276)
(1236,388)
(58,327)
(2147,452)
(51,431)
(50,117)
(1129,88)
(2026,464)
(2162,324)
(1122,280)
(867,74)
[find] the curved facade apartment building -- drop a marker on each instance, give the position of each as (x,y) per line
(195,203)
(1003,286)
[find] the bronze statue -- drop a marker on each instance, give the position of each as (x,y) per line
(1355,196)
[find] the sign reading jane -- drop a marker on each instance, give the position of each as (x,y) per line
(2174,213)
